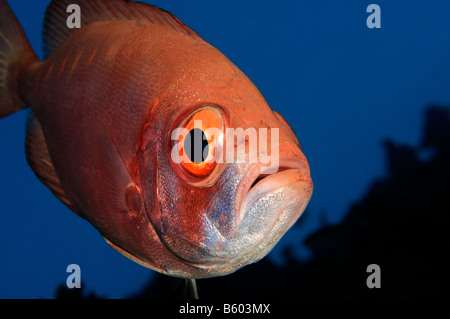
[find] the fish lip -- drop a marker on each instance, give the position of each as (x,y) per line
(256,172)
(266,185)
(293,172)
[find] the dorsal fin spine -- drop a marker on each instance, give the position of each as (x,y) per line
(55,31)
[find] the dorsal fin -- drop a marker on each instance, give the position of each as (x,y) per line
(55,30)
(40,161)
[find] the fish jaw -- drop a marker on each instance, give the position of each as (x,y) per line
(270,208)
(266,206)
(262,213)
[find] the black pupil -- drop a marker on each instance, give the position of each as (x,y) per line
(196,145)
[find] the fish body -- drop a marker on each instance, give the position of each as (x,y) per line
(105,104)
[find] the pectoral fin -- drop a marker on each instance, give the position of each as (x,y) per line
(40,161)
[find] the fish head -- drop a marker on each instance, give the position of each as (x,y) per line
(223,176)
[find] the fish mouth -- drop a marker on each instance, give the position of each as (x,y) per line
(271,204)
(267,204)
(264,180)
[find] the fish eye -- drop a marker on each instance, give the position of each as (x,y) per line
(200,144)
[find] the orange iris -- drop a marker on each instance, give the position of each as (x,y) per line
(202,141)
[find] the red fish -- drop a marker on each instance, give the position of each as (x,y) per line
(106,105)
